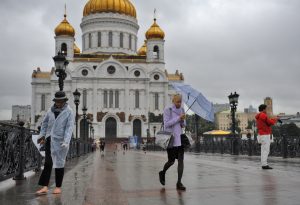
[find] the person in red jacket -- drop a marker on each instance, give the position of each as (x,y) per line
(264,124)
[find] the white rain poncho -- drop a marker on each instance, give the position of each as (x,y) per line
(60,130)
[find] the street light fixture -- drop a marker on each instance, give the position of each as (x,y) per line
(233,100)
(76,95)
(84,110)
(154,131)
(60,71)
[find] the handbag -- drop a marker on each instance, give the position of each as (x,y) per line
(187,141)
(163,138)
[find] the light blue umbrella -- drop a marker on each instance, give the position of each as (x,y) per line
(195,101)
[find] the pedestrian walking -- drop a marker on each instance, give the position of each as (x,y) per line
(102,146)
(56,132)
(174,121)
(264,124)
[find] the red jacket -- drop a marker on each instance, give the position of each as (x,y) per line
(264,123)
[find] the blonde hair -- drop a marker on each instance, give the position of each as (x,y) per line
(176,96)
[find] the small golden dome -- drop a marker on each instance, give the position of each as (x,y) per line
(115,6)
(64,28)
(155,32)
(76,49)
(143,50)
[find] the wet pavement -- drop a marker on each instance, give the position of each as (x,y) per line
(132,179)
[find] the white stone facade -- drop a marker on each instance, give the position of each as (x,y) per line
(121,87)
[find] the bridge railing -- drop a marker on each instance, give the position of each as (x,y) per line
(283,146)
(18,153)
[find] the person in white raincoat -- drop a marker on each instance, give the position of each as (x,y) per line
(56,132)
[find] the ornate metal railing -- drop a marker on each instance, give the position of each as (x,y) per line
(283,146)
(18,154)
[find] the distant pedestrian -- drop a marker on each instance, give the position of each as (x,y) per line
(174,121)
(102,146)
(56,132)
(264,124)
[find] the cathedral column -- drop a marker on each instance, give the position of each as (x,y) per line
(166,95)
(94,101)
(126,100)
(147,95)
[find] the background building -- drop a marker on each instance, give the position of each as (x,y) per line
(21,113)
(223,120)
(221,107)
(251,109)
(269,102)
(119,85)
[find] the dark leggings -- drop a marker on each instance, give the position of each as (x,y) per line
(46,174)
(175,153)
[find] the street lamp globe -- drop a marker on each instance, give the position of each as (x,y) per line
(76,95)
(233,99)
(60,65)
(60,62)
(84,110)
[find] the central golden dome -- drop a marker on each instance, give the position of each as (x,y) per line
(114,6)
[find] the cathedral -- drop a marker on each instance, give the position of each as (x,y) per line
(123,88)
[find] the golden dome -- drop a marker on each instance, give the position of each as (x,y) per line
(155,32)
(64,28)
(76,49)
(143,50)
(115,6)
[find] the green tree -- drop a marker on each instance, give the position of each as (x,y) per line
(203,125)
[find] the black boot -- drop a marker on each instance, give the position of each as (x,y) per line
(266,167)
(179,186)
(162,177)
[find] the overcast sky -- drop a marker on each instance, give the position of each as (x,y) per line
(248,46)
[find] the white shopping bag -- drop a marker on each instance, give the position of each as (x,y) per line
(38,146)
(163,138)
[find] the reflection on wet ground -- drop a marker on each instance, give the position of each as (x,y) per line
(132,178)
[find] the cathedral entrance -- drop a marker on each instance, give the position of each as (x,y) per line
(110,128)
(137,128)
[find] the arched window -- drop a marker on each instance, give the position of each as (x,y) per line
(130,41)
(64,49)
(99,39)
(137,99)
(84,96)
(156,100)
(121,40)
(110,39)
(90,40)
(43,103)
(156,52)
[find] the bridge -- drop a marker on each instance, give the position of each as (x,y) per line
(131,177)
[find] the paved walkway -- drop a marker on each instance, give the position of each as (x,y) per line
(132,179)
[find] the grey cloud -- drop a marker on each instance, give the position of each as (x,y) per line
(221,46)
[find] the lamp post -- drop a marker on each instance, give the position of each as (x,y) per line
(154,131)
(233,100)
(84,110)
(76,95)
(60,71)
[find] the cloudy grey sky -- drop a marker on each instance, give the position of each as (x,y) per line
(248,46)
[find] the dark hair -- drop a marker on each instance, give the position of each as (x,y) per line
(262,107)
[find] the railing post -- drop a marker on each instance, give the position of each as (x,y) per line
(20,173)
(249,146)
(284,146)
